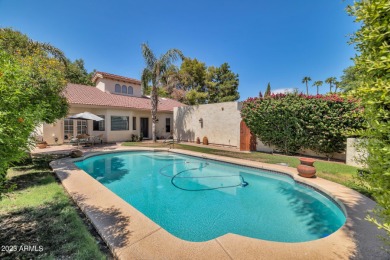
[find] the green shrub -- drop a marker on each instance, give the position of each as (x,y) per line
(372,66)
(291,122)
(31,83)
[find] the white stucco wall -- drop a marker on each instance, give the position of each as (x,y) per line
(50,131)
(261,147)
(221,123)
(108,85)
(355,153)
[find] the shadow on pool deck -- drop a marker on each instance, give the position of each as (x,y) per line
(112,223)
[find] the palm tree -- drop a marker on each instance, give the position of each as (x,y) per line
(330,81)
(306,80)
(154,73)
(318,84)
(336,85)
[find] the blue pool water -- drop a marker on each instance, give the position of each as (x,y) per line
(198,200)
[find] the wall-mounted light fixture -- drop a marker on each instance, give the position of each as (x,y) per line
(201,122)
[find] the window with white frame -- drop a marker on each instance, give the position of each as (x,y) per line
(167,125)
(124,89)
(119,123)
(68,129)
(117,88)
(81,127)
(130,90)
(99,125)
(134,123)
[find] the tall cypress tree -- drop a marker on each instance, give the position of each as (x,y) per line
(268,90)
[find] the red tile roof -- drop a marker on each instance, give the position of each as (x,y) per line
(100,74)
(87,95)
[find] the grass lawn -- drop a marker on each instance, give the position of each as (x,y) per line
(40,213)
(333,171)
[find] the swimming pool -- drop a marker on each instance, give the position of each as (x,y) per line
(198,200)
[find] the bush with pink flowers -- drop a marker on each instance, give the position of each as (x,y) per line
(291,121)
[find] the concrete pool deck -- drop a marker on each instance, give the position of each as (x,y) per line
(132,235)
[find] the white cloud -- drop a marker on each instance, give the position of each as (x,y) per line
(283,90)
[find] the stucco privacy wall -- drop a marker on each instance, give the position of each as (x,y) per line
(221,123)
(51,131)
(261,147)
(355,153)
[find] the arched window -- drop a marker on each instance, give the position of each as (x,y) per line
(117,88)
(124,89)
(130,90)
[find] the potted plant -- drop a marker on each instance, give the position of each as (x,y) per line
(205,140)
(41,144)
(198,140)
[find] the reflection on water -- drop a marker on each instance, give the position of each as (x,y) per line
(311,211)
(108,170)
(272,207)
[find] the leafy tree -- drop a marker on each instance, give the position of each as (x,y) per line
(318,84)
(76,73)
(306,81)
(194,97)
(154,73)
(331,81)
(268,90)
(222,84)
(32,78)
(372,67)
(350,79)
(193,75)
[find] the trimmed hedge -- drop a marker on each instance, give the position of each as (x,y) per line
(291,121)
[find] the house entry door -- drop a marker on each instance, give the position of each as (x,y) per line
(145,127)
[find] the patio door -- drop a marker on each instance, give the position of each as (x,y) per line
(72,128)
(144,127)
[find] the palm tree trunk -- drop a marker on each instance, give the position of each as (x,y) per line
(317,90)
(154,101)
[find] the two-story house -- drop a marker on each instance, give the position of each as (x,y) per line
(120,101)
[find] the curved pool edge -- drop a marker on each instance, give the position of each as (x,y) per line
(142,238)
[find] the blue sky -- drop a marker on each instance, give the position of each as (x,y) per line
(277,41)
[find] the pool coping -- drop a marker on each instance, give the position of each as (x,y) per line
(132,235)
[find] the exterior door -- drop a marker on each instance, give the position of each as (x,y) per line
(247,139)
(145,127)
(73,127)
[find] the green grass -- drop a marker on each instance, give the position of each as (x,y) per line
(333,171)
(39,212)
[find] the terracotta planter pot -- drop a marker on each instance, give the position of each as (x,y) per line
(42,145)
(205,140)
(306,171)
(198,140)
(307,161)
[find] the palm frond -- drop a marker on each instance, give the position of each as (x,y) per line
(50,49)
(146,77)
(170,57)
(147,53)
